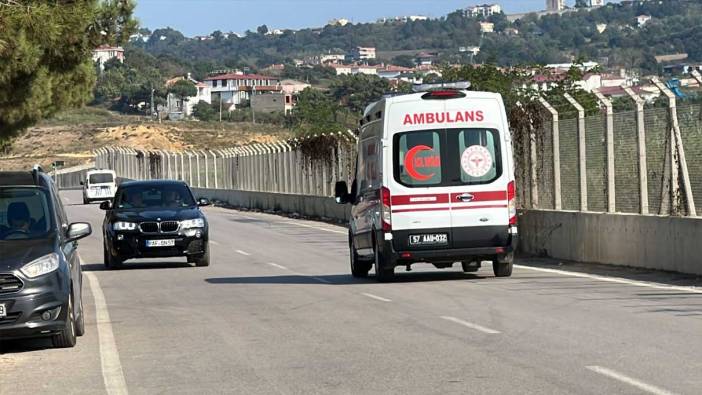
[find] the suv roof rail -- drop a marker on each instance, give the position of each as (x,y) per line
(458,85)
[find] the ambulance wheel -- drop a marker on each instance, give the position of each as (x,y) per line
(359,268)
(502,266)
(382,274)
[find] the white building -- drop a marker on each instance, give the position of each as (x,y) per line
(487,27)
(339,22)
(596,3)
(104,53)
(362,53)
(555,5)
(178,108)
(234,88)
(331,58)
(484,10)
(642,19)
(354,69)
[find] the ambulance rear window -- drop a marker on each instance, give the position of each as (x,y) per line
(447,157)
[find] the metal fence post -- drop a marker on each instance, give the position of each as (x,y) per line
(557,201)
(641,130)
(582,158)
(609,124)
(679,145)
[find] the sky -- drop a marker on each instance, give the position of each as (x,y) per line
(201,17)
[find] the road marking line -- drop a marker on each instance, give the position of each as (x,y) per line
(242,253)
(376,297)
(617,280)
(278,266)
(112,373)
(651,389)
(314,227)
(214,242)
(471,326)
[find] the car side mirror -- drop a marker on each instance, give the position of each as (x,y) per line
(341,193)
(106,205)
(202,202)
(78,230)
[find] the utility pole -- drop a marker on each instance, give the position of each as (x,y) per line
(251,104)
(220,107)
(152,103)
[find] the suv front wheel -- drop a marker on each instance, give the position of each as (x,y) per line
(67,337)
(111,262)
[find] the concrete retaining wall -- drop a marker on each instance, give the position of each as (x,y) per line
(654,242)
(311,206)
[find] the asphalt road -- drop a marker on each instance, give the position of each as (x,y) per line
(278,312)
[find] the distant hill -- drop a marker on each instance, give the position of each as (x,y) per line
(609,33)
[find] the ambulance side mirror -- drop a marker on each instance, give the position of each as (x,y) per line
(341,192)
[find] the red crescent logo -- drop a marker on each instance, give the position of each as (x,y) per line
(409,163)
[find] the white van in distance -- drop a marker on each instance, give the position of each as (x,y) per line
(434,183)
(99,185)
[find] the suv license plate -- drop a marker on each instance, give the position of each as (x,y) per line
(3,311)
(160,243)
(428,239)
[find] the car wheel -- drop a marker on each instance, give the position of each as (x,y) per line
(502,266)
(204,259)
(382,274)
(67,337)
(359,268)
(470,267)
(80,322)
(111,262)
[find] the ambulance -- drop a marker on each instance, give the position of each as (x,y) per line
(434,183)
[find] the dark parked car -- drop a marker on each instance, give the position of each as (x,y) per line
(155,219)
(40,273)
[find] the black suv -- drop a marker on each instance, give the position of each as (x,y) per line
(40,273)
(154,219)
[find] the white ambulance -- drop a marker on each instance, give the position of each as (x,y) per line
(434,183)
(99,185)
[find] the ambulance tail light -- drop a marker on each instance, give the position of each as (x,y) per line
(512,202)
(386,212)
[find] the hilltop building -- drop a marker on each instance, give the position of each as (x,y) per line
(484,10)
(555,5)
(104,53)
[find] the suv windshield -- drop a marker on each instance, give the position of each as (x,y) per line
(447,157)
(24,214)
(100,178)
(142,196)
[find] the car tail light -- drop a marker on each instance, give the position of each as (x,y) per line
(387,209)
(512,202)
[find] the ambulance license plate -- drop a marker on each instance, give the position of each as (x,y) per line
(429,239)
(3,312)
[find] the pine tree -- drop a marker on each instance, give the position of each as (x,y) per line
(45,54)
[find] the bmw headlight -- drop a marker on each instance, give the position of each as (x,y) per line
(121,225)
(192,223)
(41,266)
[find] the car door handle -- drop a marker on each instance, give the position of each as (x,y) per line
(466,197)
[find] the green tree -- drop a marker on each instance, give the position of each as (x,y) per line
(404,60)
(358,91)
(204,111)
(183,89)
(581,4)
(315,113)
(45,55)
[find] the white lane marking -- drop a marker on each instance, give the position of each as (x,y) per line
(66,199)
(313,227)
(112,373)
(651,389)
(376,297)
(214,242)
(242,253)
(277,265)
(281,267)
(617,280)
(471,325)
